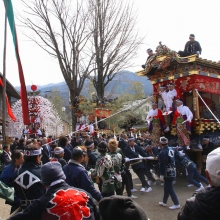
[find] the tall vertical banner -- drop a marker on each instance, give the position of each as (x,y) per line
(23,92)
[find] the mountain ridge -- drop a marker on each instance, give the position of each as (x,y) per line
(116,87)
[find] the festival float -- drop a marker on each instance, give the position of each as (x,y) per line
(44,119)
(197,79)
(90,112)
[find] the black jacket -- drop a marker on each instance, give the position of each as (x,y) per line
(192,47)
(137,164)
(14,146)
(122,144)
(55,204)
(208,149)
(5,159)
(67,153)
(204,206)
(27,183)
(61,161)
(92,156)
(46,154)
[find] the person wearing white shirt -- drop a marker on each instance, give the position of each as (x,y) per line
(172,93)
(182,119)
(39,132)
(166,110)
(77,126)
(91,128)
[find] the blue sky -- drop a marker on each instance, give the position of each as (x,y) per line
(168,21)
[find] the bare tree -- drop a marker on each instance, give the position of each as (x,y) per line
(60,28)
(115,39)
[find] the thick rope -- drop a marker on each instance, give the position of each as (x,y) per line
(97,121)
(207,106)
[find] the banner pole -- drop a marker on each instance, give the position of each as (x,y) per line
(4,78)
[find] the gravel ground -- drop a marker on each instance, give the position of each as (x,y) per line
(149,201)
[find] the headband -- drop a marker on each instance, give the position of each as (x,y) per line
(179,100)
(31,153)
(59,151)
(163,140)
(90,145)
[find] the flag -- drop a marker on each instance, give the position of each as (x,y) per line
(23,92)
(10,113)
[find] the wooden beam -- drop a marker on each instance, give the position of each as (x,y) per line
(196,104)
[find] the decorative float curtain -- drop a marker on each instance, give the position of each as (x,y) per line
(188,83)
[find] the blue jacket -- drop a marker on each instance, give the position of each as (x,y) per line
(7,175)
(77,176)
(167,161)
(184,161)
(137,164)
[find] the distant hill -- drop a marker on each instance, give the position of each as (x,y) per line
(117,86)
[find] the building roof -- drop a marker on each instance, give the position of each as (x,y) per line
(199,66)
(208,63)
(10,89)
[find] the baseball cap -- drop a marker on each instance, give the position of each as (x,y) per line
(51,172)
(213,163)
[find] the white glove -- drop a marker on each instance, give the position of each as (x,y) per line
(127,159)
(140,156)
(150,158)
(161,178)
(181,153)
(199,146)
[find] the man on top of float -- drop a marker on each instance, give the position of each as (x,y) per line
(191,47)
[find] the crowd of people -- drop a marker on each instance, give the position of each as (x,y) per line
(57,178)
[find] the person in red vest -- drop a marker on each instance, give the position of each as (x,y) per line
(156,119)
(182,119)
